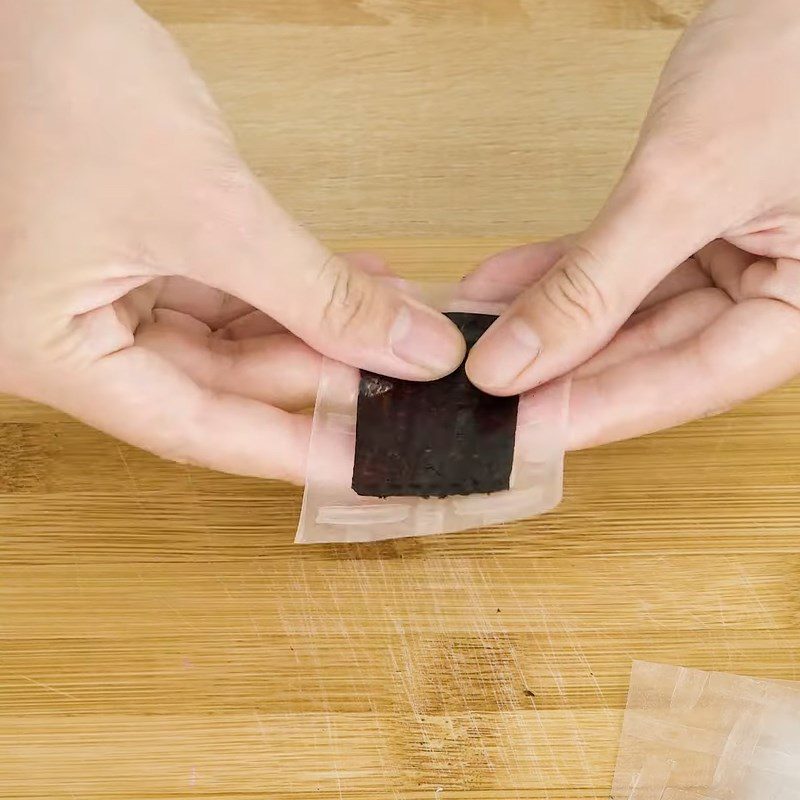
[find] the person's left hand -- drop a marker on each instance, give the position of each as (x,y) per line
(638,383)
(682,297)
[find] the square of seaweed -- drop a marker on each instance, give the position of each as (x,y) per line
(433,439)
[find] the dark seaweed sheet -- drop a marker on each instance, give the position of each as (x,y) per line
(433,439)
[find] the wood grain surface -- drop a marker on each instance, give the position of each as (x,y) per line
(161,636)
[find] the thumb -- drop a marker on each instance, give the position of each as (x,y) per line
(640,236)
(274,264)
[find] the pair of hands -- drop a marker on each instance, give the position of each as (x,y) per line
(151,287)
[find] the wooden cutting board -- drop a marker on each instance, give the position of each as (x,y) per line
(161,636)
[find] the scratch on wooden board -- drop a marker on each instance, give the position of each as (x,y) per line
(333,741)
(356,577)
(49,688)
(137,491)
(528,732)
(220,580)
(644,609)
(254,624)
(381,737)
(261,729)
(728,650)
(406,672)
(720,441)
(721,610)
(559,681)
(766,615)
(296,608)
(318,670)
(198,500)
(578,727)
(523,615)
(505,692)
(333,597)
(578,650)
(78,584)
(490,643)
(467,586)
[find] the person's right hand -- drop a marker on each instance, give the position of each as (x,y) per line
(148,284)
(683,296)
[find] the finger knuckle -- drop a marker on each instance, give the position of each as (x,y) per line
(574,292)
(346,302)
(778,280)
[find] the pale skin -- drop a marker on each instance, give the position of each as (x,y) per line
(682,298)
(150,286)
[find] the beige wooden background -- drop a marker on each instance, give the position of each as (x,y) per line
(160,635)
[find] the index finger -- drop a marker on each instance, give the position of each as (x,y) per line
(747,350)
(138,396)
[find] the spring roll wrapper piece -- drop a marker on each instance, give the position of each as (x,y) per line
(694,735)
(333,512)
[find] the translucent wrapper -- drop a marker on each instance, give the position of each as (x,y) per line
(692,735)
(333,512)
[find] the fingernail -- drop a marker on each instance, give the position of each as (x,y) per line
(424,338)
(507,349)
